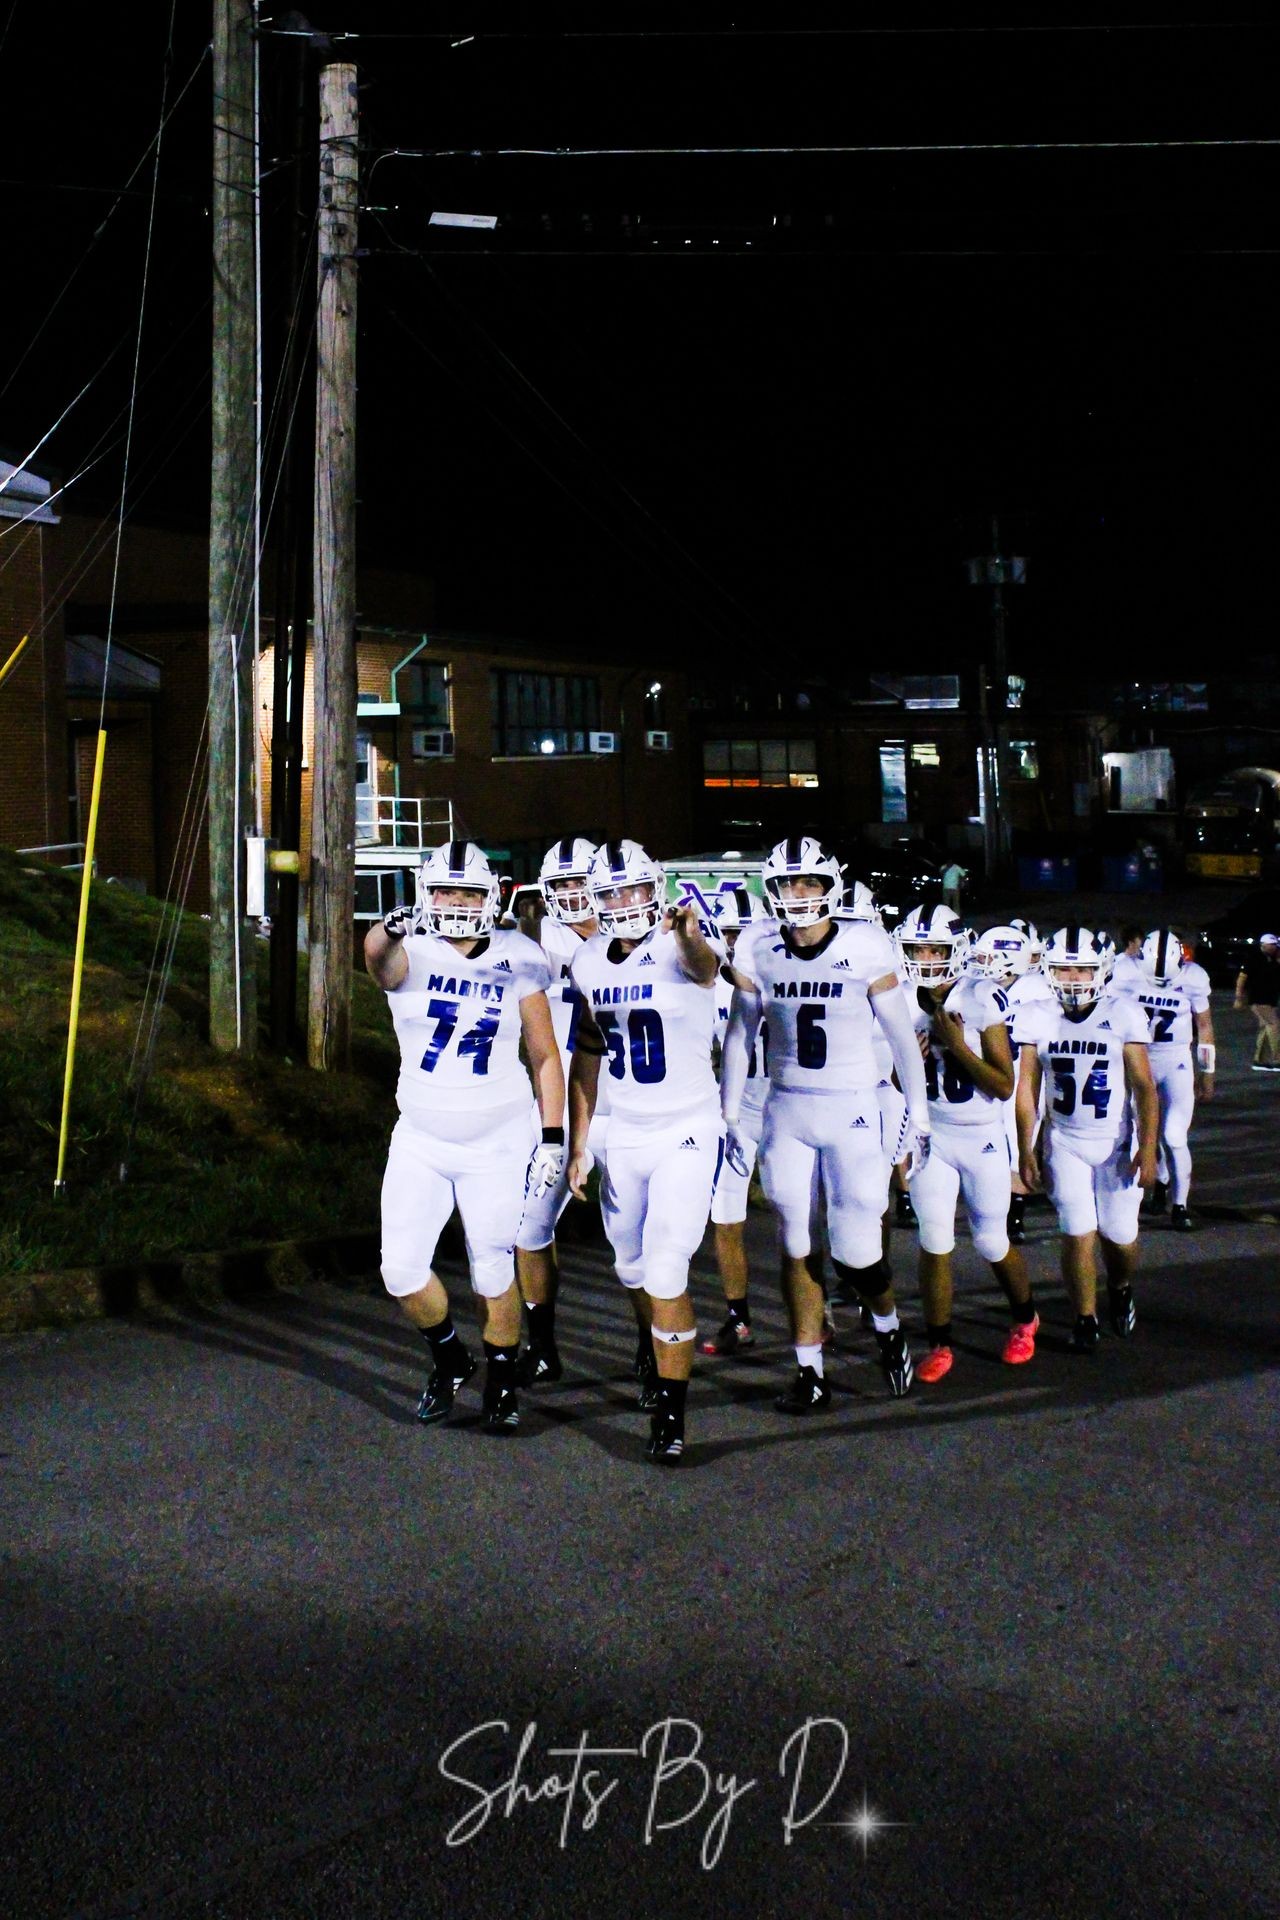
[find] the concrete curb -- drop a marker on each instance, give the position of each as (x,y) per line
(70,1294)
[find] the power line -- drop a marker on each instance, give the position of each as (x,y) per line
(553,36)
(898,147)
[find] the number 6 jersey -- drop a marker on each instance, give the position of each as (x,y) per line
(657,1026)
(457,1018)
(1083,1062)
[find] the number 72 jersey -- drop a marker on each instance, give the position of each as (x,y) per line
(1083,1062)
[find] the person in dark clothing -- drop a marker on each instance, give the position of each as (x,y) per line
(1258,987)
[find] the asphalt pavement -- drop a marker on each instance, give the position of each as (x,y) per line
(270,1649)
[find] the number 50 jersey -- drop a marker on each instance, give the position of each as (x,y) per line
(1083,1062)
(815,1003)
(457,1018)
(657,1026)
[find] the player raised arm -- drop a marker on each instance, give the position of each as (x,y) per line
(992,1071)
(699,961)
(385,959)
(1146,1107)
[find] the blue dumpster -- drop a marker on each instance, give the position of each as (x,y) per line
(1049,873)
(1131,873)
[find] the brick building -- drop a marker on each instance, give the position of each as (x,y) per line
(513,746)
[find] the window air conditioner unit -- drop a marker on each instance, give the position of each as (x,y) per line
(432,743)
(602,742)
(658,742)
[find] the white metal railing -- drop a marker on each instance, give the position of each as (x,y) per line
(386,820)
(62,846)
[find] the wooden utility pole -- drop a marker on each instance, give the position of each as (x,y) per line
(333,789)
(233,1012)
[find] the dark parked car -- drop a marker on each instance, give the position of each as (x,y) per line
(899,877)
(1225,944)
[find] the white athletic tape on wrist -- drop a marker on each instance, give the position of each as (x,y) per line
(1206,1056)
(675,1339)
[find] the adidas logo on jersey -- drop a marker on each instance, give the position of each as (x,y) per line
(690,1143)
(990,1147)
(859,1122)
(842,966)
(502,966)
(646,959)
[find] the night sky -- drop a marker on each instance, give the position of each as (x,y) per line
(583,427)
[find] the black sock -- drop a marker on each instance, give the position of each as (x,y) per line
(1017,1203)
(939,1336)
(644,1350)
(1022,1314)
(671,1395)
(542,1322)
(438,1338)
(503,1362)
(740,1310)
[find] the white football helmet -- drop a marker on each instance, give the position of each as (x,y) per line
(624,863)
(931,927)
(1077,947)
(459,863)
(802,859)
(737,907)
(1000,954)
(563,879)
(859,903)
(1035,942)
(1162,957)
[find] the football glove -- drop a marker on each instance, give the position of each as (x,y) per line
(545,1169)
(397,923)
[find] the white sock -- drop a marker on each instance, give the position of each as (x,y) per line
(885,1322)
(810,1357)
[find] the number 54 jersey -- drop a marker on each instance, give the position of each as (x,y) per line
(1083,1063)
(657,1026)
(457,1018)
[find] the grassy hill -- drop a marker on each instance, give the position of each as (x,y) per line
(225,1153)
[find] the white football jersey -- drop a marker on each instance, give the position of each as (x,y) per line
(561,944)
(457,1018)
(954,1101)
(815,1003)
(657,1025)
(1025,991)
(758,1065)
(1169,1009)
(1083,1061)
(1127,974)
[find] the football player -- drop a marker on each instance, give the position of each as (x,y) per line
(1093,1047)
(1010,957)
(820,986)
(1174,993)
(736,910)
(463,996)
(647,983)
(960,1019)
(570,918)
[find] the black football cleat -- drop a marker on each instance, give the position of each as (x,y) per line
(895,1358)
(1156,1200)
(735,1336)
(540,1363)
(665,1445)
(1084,1334)
(1123,1312)
(499,1410)
(650,1387)
(808,1393)
(1180,1220)
(437,1402)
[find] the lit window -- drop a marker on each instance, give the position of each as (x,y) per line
(759,763)
(1024,761)
(924,753)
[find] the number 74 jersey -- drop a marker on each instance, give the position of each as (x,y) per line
(1083,1062)
(457,1018)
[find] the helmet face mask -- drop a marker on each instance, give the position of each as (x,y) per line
(563,879)
(793,862)
(1088,957)
(935,928)
(458,893)
(627,890)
